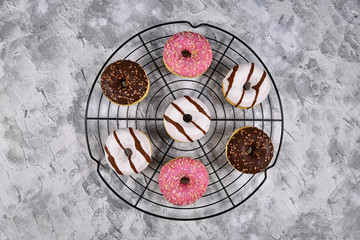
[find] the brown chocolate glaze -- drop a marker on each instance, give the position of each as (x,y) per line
(124,82)
(261,151)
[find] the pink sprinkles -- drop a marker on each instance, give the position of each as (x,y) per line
(197,45)
(179,193)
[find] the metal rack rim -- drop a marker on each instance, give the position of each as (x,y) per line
(99,118)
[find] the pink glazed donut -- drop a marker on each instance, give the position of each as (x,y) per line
(187,54)
(183,181)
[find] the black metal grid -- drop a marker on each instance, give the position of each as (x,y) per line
(229,188)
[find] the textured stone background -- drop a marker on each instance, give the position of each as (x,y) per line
(50,51)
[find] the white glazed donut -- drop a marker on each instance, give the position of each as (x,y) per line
(128,151)
(246,85)
(187,119)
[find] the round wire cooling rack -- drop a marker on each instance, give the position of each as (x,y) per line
(228,188)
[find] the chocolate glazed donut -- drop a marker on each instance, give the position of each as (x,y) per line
(249,150)
(124,82)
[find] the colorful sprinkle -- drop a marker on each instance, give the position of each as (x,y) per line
(191,66)
(179,193)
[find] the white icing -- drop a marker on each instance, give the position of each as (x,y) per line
(240,78)
(190,129)
(127,141)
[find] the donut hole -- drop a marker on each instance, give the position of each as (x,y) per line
(250,150)
(128,152)
(185,53)
(187,118)
(184,180)
(123,83)
(247,86)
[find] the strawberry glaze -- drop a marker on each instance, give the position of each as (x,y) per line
(195,64)
(177,192)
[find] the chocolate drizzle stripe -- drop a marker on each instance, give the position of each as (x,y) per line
(132,165)
(257,88)
(178,127)
(178,108)
(182,112)
(112,161)
(198,127)
(129,158)
(118,141)
(248,79)
(138,146)
(199,108)
(231,79)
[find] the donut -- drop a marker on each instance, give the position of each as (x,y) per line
(128,151)
(246,85)
(187,119)
(249,150)
(187,54)
(125,82)
(183,181)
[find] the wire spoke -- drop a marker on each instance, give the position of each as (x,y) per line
(222,185)
(157,67)
(98,125)
(152,176)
